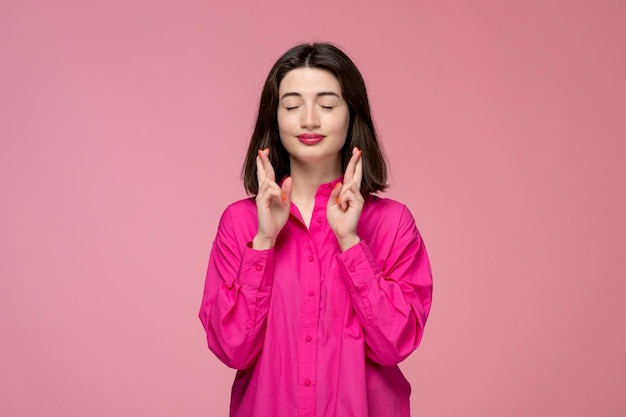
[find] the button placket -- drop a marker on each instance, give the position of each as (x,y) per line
(310,312)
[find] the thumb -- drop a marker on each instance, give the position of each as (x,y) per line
(286,191)
(334,195)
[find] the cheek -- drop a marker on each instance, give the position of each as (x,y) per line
(281,121)
(345,122)
(285,122)
(284,129)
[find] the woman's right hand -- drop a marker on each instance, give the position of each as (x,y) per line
(272,203)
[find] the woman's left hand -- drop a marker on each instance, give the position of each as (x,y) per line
(346,203)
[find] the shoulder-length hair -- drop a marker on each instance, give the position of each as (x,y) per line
(361,130)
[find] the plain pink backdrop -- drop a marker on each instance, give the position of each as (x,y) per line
(123,125)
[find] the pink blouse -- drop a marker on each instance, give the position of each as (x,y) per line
(313,331)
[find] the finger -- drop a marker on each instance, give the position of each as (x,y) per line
(267,165)
(358,171)
(260,170)
(350,196)
(270,192)
(346,197)
(350,168)
(334,195)
(286,191)
(262,191)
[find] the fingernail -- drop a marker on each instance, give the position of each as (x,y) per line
(284,197)
(337,185)
(338,201)
(259,152)
(360,152)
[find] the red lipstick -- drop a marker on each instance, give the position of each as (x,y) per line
(310,138)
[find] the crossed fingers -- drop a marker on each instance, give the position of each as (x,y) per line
(264,168)
(351,179)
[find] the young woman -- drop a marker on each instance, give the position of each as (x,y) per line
(316,289)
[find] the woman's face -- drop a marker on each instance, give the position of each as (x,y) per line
(313,117)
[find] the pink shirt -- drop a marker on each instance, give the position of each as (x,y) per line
(313,331)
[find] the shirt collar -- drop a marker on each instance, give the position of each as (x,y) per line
(323,189)
(327,188)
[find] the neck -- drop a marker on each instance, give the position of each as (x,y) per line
(307,177)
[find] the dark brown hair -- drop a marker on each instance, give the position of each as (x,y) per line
(361,130)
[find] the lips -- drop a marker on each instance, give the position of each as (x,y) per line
(310,138)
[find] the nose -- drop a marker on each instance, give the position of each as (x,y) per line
(310,119)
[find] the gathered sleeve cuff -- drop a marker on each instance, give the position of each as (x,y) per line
(236,298)
(391,297)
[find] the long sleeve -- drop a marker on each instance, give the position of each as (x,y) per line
(391,295)
(314,331)
(236,295)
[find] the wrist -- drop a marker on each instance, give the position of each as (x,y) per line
(348,242)
(262,243)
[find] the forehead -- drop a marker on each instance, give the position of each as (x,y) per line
(309,80)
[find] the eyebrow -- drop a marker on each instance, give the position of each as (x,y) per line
(320,94)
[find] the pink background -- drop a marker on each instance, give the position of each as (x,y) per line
(123,125)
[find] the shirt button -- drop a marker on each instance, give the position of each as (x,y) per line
(308,338)
(307,382)
(311,258)
(311,293)
(351,268)
(258,267)
(320,220)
